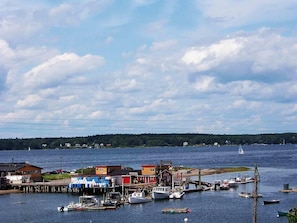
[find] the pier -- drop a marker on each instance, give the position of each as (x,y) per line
(58,186)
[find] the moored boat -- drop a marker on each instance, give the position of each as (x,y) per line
(138,197)
(249,195)
(161,192)
(178,194)
(85,203)
(282,213)
(224,185)
(232,182)
(270,202)
(113,199)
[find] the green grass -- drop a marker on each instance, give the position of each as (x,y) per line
(49,177)
(232,169)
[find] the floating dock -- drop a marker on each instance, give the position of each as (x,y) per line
(175,210)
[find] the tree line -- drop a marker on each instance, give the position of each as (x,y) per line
(145,140)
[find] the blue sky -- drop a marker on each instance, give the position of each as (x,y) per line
(78,68)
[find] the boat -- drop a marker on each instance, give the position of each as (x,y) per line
(138,197)
(249,195)
(177,194)
(161,192)
(240,150)
(282,213)
(224,185)
(175,210)
(270,202)
(85,203)
(255,193)
(232,182)
(113,199)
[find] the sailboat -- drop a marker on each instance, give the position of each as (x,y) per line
(240,150)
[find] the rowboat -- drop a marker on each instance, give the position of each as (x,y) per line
(270,202)
(281,213)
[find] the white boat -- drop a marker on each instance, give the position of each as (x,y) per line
(177,194)
(240,150)
(249,195)
(113,199)
(232,182)
(138,197)
(161,192)
(84,203)
(224,185)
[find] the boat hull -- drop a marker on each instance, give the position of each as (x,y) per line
(270,202)
(161,193)
(135,200)
(176,195)
(160,196)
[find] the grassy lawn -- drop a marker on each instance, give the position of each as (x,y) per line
(49,177)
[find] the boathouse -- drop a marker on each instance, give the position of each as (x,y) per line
(21,169)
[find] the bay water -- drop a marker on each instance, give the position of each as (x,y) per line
(277,165)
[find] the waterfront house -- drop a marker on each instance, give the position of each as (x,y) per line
(28,171)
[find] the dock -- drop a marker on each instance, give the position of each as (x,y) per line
(175,210)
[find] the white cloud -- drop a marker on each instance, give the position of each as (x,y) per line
(57,70)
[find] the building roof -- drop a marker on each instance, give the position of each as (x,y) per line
(10,167)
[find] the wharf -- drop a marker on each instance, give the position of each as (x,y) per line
(288,190)
(57,186)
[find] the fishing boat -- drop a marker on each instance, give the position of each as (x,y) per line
(270,202)
(240,150)
(113,199)
(85,203)
(161,192)
(138,197)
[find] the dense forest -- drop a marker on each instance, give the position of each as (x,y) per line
(145,140)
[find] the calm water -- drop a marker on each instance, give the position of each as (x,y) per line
(277,166)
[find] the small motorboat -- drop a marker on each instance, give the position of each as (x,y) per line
(274,201)
(176,194)
(85,203)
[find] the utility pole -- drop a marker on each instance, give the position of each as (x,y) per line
(255,194)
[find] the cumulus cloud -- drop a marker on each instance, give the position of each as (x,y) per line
(206,69)
(263,54)
(57,70)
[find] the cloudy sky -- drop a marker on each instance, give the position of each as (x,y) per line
(88,67)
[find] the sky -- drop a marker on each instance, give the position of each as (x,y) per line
(90,67)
